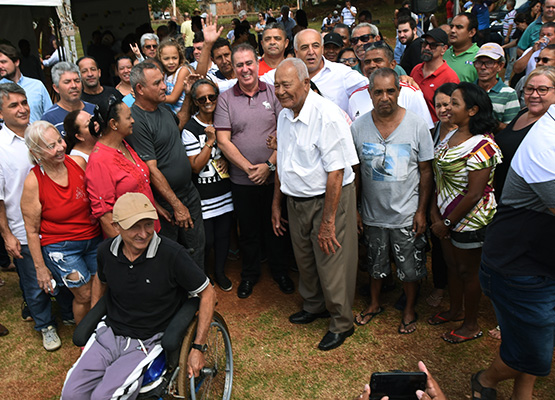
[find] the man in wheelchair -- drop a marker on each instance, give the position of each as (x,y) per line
(144,279)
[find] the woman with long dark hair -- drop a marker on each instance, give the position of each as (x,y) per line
(465,204)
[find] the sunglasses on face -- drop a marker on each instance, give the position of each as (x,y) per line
(542,90)
(151,46)
(350,60)
(380,44)
(362,38)
(203,100)
(432,45)
(544,60)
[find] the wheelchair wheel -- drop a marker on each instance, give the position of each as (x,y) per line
(216,378)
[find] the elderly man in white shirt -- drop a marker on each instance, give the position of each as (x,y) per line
(314,169)
(334,80)
(379,55)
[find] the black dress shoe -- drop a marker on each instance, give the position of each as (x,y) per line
(304,317)
(333,340)
(245,289)
(286,285)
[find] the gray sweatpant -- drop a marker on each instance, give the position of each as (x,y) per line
(110,367)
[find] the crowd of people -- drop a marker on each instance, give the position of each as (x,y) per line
(306,145)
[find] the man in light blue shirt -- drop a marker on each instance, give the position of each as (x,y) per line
(37,95)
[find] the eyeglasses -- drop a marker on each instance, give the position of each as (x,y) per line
(203,100)
(362,38)
(433,45)
(488,63)
(542,90)
(350,60)
(151,46)
(544,60)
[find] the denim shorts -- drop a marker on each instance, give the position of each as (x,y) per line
(408,251)
(525,310)
(69,256)
(469,239)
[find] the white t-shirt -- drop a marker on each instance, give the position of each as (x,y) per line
(348,18)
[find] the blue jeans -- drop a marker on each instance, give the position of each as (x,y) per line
(37,300)
(525,310)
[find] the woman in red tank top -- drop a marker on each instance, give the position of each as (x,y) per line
(62,234)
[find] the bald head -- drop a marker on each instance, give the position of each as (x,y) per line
(309,48)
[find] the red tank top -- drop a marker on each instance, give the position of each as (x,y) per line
(66,210)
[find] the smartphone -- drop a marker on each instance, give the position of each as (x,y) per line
(398,385)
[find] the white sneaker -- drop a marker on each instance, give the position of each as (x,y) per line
(50,339)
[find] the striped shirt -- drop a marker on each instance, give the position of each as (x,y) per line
(505,102)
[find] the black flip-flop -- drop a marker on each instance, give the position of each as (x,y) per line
(371,314)
(405,324)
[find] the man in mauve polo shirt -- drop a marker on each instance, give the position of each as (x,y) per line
(245,116)
(433,71)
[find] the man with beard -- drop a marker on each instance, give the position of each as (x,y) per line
(66,81)
(406,30)
(37,95)
(395,183)
(93,91)
(433,71)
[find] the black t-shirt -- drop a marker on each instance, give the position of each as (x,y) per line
(412,55)
(156,136)
(142,296)
(508,141)
(102,98)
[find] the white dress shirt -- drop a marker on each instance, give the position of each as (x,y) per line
(14,168)
(410,98)
(316,142)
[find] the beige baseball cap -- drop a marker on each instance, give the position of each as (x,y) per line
(131,208)
(491,50)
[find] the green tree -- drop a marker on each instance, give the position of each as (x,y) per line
(159,5)
(186,6)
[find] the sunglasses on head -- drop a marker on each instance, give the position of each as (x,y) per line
(362,38)
(204,99)
(377,45)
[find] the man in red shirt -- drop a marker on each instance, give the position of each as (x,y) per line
(274,43)
(433,71)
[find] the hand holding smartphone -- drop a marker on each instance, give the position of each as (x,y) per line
(398,385)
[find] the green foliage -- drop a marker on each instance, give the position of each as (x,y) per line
(159,5)
(186,6)
(262,5)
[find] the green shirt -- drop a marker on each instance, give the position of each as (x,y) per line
(530,35)
(463,63)
(505,102)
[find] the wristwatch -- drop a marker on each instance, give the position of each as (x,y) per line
(271,166)
(200,347)
(447,222)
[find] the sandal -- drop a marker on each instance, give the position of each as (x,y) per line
(363,316)
(405,324)
(438,319)
(477,388)
(462,338)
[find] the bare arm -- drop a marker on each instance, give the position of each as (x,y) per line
(358,189)
(98,290)
(106,224)
(278,222)
(196,360)
(158,180)
(12,244)
(424,192)
(326,234)
(198,161)
(179,86)
(477,181)
(211,33)
(31,210)
(80,161)
(231,152)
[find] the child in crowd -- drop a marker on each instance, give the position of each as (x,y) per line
(522,20)
(176,69)
(509,26)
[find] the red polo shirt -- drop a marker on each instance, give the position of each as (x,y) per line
(429,85)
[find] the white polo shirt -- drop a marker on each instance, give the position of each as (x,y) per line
(338,82)
(14,168)
(316,142)
(410,98)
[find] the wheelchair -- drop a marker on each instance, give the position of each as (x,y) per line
(166,376)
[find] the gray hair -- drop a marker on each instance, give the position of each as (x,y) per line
(138,73)
(242,13)
(373,28)
(61,68)
(296,38)
(8,88)
(34,135)
(149,36)
(299,65)
(383,73)
(275,25)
